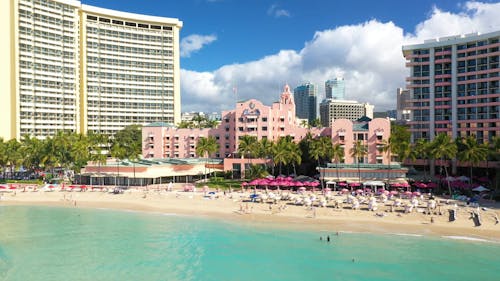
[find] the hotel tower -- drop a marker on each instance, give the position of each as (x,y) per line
(69,66)
(454,86)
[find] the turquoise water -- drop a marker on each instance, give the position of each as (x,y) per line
(44,243)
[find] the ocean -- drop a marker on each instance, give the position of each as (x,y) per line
(49,243)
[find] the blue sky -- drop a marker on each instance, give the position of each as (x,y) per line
(258,46)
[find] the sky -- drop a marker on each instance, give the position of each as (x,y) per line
(233,50)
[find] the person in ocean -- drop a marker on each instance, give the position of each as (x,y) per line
(328,238)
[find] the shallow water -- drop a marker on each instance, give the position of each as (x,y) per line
(47,243)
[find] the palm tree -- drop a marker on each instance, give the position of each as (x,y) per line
(422,151)
(443,148)
(359,151)
(205,147)
(265,149)
(257,171)
(387,146)
(472,152)
(294,154)
(337,155)
(31,148)
(246,146)
(13,154)
(97,143)
(281,153)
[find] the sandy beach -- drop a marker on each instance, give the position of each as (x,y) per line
(236,206)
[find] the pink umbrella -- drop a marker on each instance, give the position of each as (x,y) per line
(432,185)
(359,191)
(344,190)
(408,193)
(416,193)
(385,192)
(393,192)
(342,184)
(244,183)
(354,184)
(315,183)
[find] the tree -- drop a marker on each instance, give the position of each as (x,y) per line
(130,139)
(359,151)
(422,150)
(316,123)
(321,150)
(337,156)
(443,148)
(31,148)
(12,154)
(97,144)
(257,171)
(472,152)
(205,147)
(387,146)
(246,146)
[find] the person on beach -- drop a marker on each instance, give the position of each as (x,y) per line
(328,238)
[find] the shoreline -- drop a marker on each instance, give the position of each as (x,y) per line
(294,217)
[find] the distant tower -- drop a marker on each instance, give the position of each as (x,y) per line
(335,89)
(306,101)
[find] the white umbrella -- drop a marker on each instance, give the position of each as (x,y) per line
(480,189)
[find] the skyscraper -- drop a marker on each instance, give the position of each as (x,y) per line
(68,66)
(305,97)
(335,89)
(454,86)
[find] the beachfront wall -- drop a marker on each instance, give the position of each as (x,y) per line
(371,133)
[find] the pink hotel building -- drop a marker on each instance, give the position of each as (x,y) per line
(454,86)
(253,118)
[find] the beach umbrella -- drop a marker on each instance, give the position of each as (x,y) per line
(393,192)
(432,185)
(408,193)
(480,189)
(359,191)
(344,190)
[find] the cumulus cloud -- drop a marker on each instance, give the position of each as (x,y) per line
(194,43)
(277,12)
(368,55)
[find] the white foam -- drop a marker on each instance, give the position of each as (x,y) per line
(467,238)
(407,234)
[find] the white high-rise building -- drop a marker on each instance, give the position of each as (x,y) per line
(68,66)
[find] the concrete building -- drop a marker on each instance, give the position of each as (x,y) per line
(402,105)
(253,118)
(306,101)
(454,86)
(335,89)
(68,66)
(331,110)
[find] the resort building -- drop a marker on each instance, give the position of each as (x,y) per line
(331,110)
(335,89)
(68,66)
(253,118)
(306,101)
(454,86)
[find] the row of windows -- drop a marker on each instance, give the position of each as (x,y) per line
(46,67)
(130,77)
(128,23)
(129,63)
(129,105)
(46,83)
(46,35)
(59,100)
(130,35)
(129,50)
(120,120)
(130,91)
(52,5)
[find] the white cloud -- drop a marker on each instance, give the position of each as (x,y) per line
(368,55)
(276,12)
(194,43)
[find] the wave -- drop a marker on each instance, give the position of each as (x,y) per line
(407,234)
(468,238)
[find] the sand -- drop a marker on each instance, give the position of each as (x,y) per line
(235,206)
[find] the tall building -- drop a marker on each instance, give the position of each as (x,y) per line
(335,89)
(331,110)
(68,66)
(454,86)
(403,105)
(306,103)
